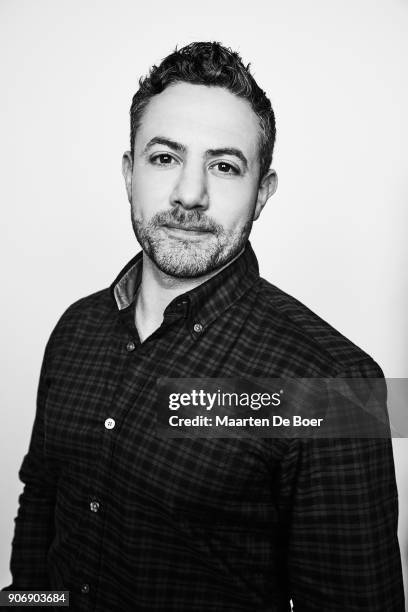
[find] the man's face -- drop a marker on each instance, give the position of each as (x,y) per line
(194,181)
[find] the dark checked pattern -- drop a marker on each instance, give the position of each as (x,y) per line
(128,521)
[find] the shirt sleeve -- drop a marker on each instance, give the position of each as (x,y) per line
(34,524)
(340,508)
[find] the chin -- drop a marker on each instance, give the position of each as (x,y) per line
(186,266)
(193,263)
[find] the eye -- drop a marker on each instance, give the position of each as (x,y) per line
(226,168)
(163,159)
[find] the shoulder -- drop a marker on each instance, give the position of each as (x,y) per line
(83,317)
(311,342)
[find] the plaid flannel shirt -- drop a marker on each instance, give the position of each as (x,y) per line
(127,520)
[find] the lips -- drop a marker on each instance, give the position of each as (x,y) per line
(188,228)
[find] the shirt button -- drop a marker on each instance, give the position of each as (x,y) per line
(130,346)
(110,423)
(84,588)
(198,328)
(94,506)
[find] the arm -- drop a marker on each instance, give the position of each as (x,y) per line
(340,507)
(34,524)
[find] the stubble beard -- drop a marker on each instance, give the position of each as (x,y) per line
(188,258)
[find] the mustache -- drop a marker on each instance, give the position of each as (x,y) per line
(187,220)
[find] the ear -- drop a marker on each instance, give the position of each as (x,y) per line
(267,188)
(127,170)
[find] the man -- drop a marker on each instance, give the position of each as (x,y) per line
(128,520)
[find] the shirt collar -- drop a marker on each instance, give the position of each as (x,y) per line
(201,305)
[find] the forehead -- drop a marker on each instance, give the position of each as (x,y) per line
(200,116)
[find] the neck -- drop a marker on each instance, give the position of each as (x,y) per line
(157,289)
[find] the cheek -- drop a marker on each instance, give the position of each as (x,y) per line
(232,202)
(150,192)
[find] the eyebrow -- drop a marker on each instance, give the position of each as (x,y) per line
(177,146)
(172,144)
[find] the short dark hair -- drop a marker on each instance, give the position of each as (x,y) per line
(208,63)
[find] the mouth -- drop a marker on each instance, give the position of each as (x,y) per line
(186,230)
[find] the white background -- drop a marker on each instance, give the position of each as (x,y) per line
(333,235)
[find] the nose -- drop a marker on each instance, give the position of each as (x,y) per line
(190,190)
